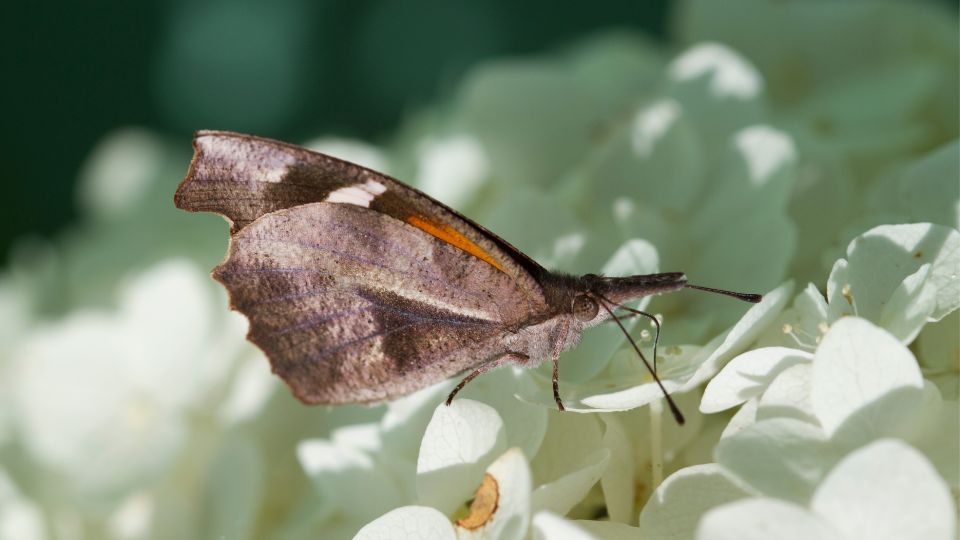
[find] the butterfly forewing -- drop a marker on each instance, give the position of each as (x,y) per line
(352,305)
(243,177)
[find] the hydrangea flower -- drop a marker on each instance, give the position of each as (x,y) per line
(104,404)
(823,65)
(20,518)
(884,490)
(466,451)
(901,277)
(805,416)
(760,149)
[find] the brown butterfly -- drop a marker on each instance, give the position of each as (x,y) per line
(360,288)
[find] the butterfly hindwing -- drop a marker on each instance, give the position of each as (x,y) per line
(353,305)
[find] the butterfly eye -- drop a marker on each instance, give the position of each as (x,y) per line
(584,308)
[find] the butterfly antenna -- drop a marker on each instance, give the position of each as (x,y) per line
(746,297)
(656,337)
(677,415)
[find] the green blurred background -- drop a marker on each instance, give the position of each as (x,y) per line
(288,69)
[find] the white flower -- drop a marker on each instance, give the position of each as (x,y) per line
(748,376)
(119,173)
(861,385)
(20,518)
(815,61)
(547,526)
(466,451)
(673,511)
(900,277)
(103,397)
(388,452)
(939,355)
(920,190)
(452,169)
(755,157)
(883,490)
(822,86)
(450,469)
(15,317)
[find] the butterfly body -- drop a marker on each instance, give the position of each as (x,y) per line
(360,288)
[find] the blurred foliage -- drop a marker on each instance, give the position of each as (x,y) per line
(288,69)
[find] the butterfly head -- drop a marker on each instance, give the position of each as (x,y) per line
(593,291)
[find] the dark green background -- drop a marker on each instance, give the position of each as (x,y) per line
(288,69)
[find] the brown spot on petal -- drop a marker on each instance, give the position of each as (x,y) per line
(484,504)
(918,254)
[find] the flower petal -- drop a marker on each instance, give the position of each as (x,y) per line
(570,439)
(623,385)
(409,523)
(865,378)
(761,519)
(618,480)
(747,376)
(789,396)
(20,518)
(548,526)
(782,458)
(75,400)
(677,369)
(938,434)
(746,330)
(910,305)
(345,474)
(675,508)
(236,490)
(887,490)
(718,87)
(460,441)
(799,325)
(562,494)
(880,259)
(923,190)
(524,424)
(744,417)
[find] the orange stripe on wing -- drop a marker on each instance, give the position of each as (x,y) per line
(453,237)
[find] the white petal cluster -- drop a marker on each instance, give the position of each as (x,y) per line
(808,151)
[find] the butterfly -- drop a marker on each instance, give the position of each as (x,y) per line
(360,288)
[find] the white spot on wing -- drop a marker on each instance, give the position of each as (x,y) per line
(357,194)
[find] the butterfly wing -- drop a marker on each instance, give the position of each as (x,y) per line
(358,287)
(243,177)
(351,305)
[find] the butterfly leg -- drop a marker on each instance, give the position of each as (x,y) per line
(556,385)
(514,357)
(557,349)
